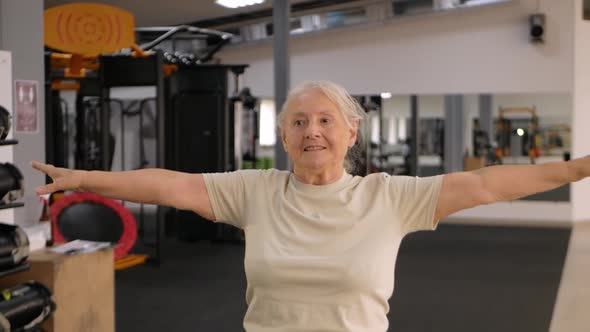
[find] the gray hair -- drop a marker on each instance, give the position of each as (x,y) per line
(345,103)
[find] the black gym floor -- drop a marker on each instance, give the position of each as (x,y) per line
(459,278)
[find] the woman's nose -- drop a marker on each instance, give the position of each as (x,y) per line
(312,130)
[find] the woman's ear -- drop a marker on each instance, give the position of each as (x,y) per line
(354,129)
(284,139)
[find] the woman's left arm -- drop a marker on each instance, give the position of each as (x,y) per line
(463,190)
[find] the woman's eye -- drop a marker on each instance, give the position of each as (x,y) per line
(326,121)
(299,123)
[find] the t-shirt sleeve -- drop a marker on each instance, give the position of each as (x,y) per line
(415,200)
(227,193)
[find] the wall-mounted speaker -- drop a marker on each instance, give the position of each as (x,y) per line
(537,28)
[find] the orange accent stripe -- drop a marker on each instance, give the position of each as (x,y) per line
(65,86)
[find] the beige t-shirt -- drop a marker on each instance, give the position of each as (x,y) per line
(321,258)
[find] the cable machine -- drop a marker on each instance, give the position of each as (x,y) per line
(123,64)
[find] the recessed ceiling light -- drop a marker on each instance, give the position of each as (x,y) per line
(238,3)
(385,95)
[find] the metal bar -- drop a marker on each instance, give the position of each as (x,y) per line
(226,163)
(170,31)
(122,137)
(80,133)
(66,134)
(105,112)
(414,171)
(141,164)
(160,136)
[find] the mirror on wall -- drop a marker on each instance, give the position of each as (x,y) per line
(510,128)
(496,129)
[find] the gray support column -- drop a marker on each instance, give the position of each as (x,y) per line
(381,137)
(414,137)
(454,137)
(486,120)
(281,28)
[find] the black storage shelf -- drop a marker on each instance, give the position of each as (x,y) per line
(11,205)
(22,267)
(8,142)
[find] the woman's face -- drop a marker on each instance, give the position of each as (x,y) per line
(315,133)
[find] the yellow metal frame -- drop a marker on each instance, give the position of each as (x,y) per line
(129,261)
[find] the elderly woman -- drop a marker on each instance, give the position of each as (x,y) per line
(321,244)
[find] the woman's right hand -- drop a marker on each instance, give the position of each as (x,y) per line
(63,178)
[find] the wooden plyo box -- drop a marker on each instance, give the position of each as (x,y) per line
(82,285)
(473,163)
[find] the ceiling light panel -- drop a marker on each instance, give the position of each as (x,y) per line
(238,3)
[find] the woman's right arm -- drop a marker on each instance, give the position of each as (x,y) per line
(151,186)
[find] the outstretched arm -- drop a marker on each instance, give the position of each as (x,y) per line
(153,186)
(463,190)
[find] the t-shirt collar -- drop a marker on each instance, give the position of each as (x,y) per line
(322,188)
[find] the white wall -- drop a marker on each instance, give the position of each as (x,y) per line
(481,50)
(526,213)
(551,107)
(581,117)
(429,106)
(570,310)
(469,51)
(21,30)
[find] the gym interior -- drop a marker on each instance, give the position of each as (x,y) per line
(446,85)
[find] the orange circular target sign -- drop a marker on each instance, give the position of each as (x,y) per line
(88,28)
